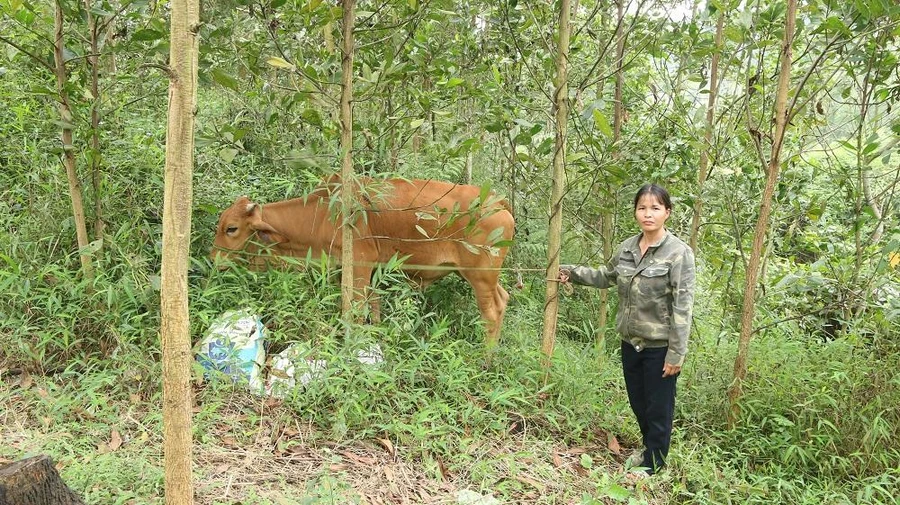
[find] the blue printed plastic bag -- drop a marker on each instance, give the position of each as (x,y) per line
(235,345)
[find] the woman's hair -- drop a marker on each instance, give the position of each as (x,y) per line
(656,191)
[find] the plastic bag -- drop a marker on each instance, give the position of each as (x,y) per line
(235,345)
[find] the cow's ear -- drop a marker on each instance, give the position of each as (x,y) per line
(267,233)
(249,207)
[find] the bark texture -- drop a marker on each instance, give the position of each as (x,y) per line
(177,202)
(68,157)
(34,481)
(561,106)
(347,274)
(762,224)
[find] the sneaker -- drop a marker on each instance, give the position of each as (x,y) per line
(636,459)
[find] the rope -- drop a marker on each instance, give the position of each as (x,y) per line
(406,266)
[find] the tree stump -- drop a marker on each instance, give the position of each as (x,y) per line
(34,481)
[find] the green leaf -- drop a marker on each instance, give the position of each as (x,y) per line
(224,79)
(485,192)
(97,11)
(586,461)
(415,123)
(147,35)
(313,4)
(312,117)
(617,492)
(422,231)
(471,248)
(576,156)
(454,82)
(602,123)
(495,235)
(277,62)
(91,248)
(228,154)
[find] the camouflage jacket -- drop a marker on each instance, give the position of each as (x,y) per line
(656,293)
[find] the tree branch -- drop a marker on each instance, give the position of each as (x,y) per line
(30,54)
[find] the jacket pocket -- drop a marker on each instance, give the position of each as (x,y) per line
(624,275)
(653,281)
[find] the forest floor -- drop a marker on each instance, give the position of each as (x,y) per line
(250,450)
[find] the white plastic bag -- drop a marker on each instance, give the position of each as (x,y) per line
(289,367)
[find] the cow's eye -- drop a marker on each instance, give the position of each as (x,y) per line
(231,230)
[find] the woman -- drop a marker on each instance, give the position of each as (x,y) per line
(654,273)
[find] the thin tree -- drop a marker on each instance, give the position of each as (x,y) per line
(703,170)
(762,224)
(347,186)
(68,156)
(606,218)
(175,328)
(560,104)
(93,61)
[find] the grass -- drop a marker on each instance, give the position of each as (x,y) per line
(80,375)
(431,421)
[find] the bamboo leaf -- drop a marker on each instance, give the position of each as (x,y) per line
(277,62)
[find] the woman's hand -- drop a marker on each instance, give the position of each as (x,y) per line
(670,370)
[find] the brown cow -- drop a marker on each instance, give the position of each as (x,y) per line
(438,227)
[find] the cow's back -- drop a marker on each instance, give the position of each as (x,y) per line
(436,223)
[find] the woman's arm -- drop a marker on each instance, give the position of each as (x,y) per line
(681,279)
(602,277)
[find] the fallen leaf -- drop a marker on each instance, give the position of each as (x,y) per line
(337,467)
(557,460)
(115,440)
(613,444)
(362,460)
(388,474)
(531,482)
(42,392)
(134,397)
(223,468)
(26,381)
(230,442)
(445,473)
(389,447)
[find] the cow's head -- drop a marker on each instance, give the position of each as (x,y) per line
(240,231)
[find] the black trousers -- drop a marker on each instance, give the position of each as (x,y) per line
(652,399)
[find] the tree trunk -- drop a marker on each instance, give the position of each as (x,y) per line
(347,185)
(606,220)
(606,235)
(68,158)
(703,170)
(762,224)
(551,305)
(93,61)
(175,329)
(34,481)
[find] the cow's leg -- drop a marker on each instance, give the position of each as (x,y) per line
(489,301)
(501,299)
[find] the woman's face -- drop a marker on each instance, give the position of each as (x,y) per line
(651,214)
